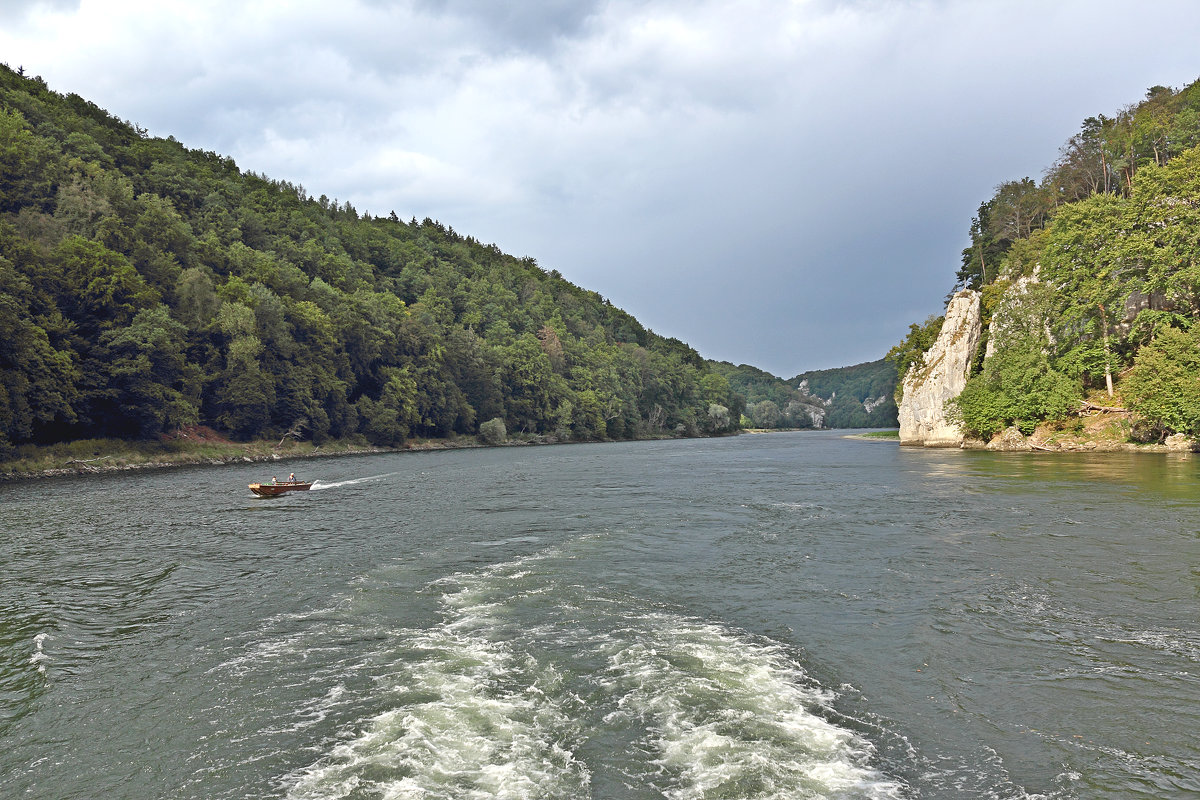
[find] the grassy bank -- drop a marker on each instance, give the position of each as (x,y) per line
(201,445)
(891,435)
(195,446)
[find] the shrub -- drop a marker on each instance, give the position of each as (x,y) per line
(493,431)
(1164,384)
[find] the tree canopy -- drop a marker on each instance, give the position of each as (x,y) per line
(145,286)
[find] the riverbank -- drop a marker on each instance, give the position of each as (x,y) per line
(889,435)
(200,446)
(192,447)
(203,446)
(1105,432)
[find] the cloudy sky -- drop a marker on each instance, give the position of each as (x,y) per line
(784,184)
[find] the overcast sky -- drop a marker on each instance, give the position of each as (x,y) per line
(784,184)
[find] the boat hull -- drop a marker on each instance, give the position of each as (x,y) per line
(276,489)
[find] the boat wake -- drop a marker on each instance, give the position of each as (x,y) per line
(319,485)
(533,687)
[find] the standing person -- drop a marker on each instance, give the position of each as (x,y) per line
(292,478)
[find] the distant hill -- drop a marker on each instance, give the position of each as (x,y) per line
(145,286)
(847,397)
(860,396)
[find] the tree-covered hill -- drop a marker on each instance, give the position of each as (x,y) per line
(145,286)
(847,397)
(1090,279)
(860,396)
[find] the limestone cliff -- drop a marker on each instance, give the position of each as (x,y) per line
(941,376)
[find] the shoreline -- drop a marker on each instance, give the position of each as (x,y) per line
(138,456)
(220,452)
(251,453)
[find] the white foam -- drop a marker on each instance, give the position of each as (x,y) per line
(479,708)
(730,716)
(39,657)
(512,540)
(481,721)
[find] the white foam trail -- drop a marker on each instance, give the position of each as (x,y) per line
(729,717)
(512,540)
(318,485)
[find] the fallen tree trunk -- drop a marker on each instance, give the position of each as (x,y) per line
(86,462)
(1086,406)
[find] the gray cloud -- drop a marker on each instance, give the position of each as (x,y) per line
(18,10)
(532,27)
(783,184)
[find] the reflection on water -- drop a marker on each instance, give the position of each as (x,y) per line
(1164,475)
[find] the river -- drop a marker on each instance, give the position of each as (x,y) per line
(798,615)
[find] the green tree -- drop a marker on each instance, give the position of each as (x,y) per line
(245,394)
(1018,385)
(493,431)
(1164,384)
(27,164)
(765,414)
(911,351)
(37,381)
(154,388)
(101,290)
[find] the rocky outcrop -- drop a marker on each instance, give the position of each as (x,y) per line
(941,376)
(872,403)
(1010,439)
(1179,443)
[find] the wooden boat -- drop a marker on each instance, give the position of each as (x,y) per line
(276,489)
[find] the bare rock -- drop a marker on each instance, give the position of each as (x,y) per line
(1010,439)
(941,376)
(1179,443)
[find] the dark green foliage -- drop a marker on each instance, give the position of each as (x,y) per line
(754,384)
(145,286)
(1103,158)
(1019,384)
(37,376)
(1015,388)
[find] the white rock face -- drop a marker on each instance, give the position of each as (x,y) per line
(817,415)
(942,376)
(872,403)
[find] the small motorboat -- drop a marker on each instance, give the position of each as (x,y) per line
(277,488)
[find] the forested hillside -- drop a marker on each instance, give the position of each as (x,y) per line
(145,286)
(847,397)
(1090,280)
(860,396)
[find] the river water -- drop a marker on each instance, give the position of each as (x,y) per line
(785,616)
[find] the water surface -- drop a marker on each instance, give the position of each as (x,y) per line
(784,616)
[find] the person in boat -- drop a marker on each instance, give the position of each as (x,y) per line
(274,480)
(292,478)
